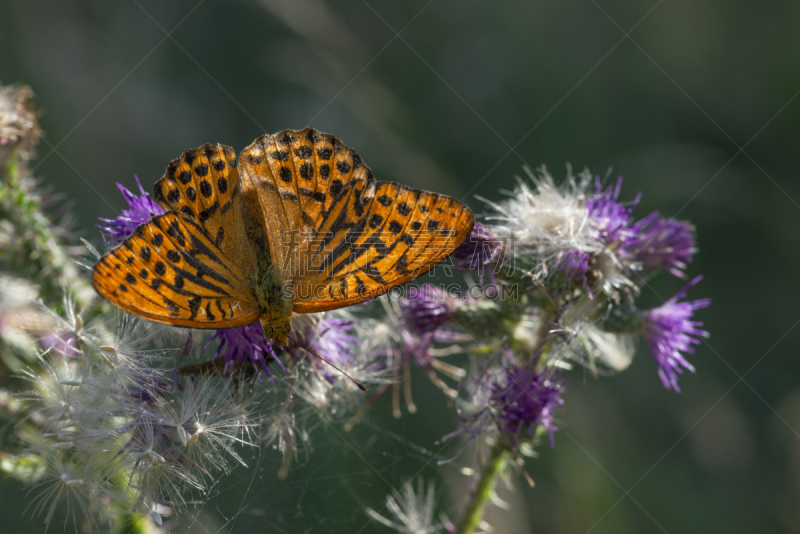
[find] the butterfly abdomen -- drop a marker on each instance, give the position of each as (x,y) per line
(274,307)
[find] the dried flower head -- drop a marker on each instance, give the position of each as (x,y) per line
(18,125)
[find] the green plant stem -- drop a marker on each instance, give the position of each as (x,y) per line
(497,465)
(134,524)
(35,249)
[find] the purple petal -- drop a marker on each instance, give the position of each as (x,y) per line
(245,344)
(141,209)
(425,309)
(670,332)
(664,243)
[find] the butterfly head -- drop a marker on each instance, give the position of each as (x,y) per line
(277,333)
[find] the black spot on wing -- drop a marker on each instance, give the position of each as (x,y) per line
(325,171)
(205,189)
(343,167)
(303,152)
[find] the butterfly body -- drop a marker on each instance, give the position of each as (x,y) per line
(275,310)
(296,224)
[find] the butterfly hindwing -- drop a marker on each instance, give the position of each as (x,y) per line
(386,234)
(171,271)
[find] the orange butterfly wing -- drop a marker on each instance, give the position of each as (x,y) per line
(402,233)
(338,236)
(191,266)
(293,175)
(204,185)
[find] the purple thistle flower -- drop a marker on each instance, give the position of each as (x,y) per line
(481,248)
(665,243)
(525,398)
(669,332)
(574,264)
(141,209)
(330,339)
(422,315)
(612,219)
(514,401)
(426,309)
(245,344)
(604,242)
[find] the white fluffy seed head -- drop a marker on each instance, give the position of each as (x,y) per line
(543,219)
(116,421)
(544,225)
(182,435)
(412,511)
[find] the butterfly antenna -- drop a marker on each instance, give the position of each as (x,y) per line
(252,385)
(353,380)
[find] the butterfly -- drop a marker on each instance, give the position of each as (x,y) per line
(296,224)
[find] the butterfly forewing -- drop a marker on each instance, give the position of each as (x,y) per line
(264,180)
(204,185)
(297,176)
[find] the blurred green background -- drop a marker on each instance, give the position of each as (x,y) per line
(694,103)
